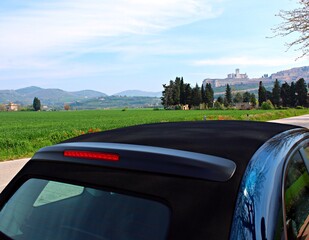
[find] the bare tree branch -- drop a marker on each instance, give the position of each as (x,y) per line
(295,22)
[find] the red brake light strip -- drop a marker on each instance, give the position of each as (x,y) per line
(92,155)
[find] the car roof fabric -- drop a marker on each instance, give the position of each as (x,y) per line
(234,140)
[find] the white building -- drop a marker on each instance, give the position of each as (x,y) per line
(237,75)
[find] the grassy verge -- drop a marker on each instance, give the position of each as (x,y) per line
(23,133)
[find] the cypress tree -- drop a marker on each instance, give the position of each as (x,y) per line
(276,93)
(261,94)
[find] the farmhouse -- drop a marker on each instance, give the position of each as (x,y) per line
(12,107)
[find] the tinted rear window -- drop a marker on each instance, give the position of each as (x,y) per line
(42,209)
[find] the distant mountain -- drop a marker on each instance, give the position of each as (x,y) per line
(25,96)
(28,90)
(10,96)
(89,94)
(138,93)
(85,99)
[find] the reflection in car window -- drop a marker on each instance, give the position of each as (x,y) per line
(296,193)
(56,191)
(42,209)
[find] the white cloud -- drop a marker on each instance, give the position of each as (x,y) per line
(62,26)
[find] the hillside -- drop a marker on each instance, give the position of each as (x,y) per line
(116,102)
(292,74)
(51,97)
(85,99)
(138,93)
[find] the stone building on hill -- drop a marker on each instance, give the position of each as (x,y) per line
(232,79)
(291,75)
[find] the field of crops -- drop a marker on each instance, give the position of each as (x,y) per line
(23,133)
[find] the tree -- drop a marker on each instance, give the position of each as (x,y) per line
(176,91)
(267,105)
(2,108)
(261,94)
(209,94)
(36,104)
(296,21)
(196,96)
(220,100)
(188,95)
(66,107)
(269,96)
(276,93)
(182,92)
(228,96)
(218,105)
(167,98)
(253,100)
(203,94)
(246,97)
(238,98)
(285,94)
(293,99)
(301,92)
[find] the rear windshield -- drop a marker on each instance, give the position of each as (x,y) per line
(42,209)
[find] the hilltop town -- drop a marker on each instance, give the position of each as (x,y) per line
(238,78)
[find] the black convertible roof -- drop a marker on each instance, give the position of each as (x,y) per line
(234,140)
(192,200)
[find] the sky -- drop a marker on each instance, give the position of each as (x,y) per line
(116,45)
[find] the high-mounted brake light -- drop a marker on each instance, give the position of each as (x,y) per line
(92,155)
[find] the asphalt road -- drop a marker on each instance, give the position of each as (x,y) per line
(302,121)
(9,169)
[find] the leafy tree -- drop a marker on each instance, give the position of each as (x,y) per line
(285,94)
(36,104)
(66,107)
(296,22)
(2,107)
(301,92)
(276,93)
(246,97)
(167,96)
(218,105)
(267,105)
(228,96)
(238,98)
(220,100)
(261,94)
(253,99)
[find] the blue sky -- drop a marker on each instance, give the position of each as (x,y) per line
(116,45)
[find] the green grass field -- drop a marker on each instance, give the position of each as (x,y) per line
(23,133)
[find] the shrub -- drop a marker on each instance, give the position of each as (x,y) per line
(218,106)
(267,105)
